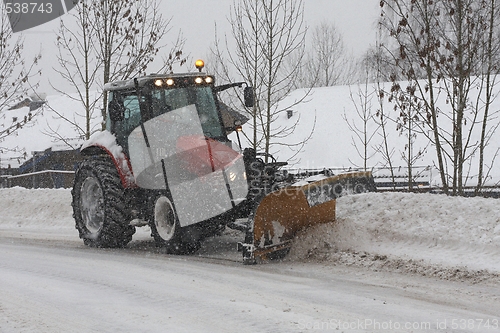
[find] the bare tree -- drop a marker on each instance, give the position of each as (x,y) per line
(442,40)
(409,125)
(127,37)
(15,77)
(246,60)
(362,134)
(79,66)
(490,59)
(378,66)
(328,63)
(267,34)
(112,40)
(382,120)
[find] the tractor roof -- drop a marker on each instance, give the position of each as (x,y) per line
(130,84)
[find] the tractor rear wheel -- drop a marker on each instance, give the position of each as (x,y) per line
(99,206)
(165,228)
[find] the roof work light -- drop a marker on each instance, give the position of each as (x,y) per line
(199,64)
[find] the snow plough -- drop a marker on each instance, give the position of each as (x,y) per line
(165,160)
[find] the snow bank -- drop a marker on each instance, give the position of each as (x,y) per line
(35,209)
(377,229)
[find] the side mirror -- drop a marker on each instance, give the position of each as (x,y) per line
(116,110)
(249,97)
(238,126)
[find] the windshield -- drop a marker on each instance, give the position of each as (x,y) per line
(165,100)
(162,101)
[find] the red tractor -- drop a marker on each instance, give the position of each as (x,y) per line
(165,161)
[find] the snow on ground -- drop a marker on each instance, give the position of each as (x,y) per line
(429,234)
(35,209)
(369,272)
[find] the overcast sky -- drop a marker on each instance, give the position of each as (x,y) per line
(196,18)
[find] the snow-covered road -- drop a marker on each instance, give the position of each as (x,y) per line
(51,282)
(64,287)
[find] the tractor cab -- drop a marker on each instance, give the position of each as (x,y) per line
(130,105)
(170,128)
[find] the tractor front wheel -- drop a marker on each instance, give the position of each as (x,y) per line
(165,227)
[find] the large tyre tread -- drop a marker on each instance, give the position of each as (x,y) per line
(115,232)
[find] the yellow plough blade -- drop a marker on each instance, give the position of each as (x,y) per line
(281,214)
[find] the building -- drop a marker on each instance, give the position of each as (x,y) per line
(51,168)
